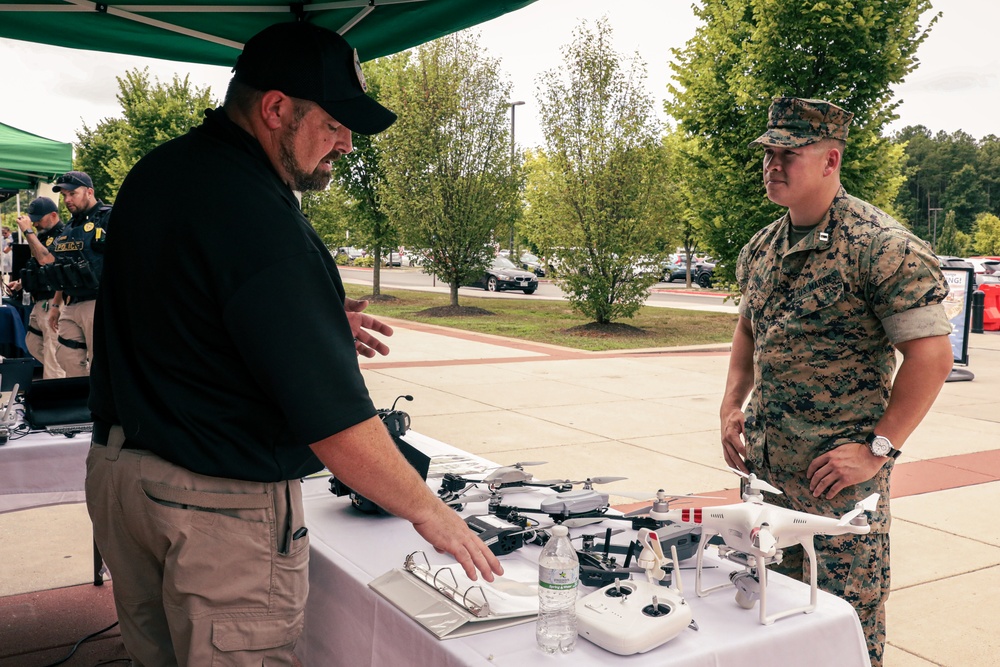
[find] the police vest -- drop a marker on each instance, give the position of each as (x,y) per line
(79,254)
(32,278)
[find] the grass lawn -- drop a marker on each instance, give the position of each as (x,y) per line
(555,323)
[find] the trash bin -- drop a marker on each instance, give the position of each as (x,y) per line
(991,307)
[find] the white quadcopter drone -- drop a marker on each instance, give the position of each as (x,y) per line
(755,532)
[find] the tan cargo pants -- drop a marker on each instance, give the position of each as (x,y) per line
(76,323)
(43,348)
(206,570)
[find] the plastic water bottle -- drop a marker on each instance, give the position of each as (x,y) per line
(558,582)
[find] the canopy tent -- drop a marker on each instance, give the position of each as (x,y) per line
(26,159)
(214,32)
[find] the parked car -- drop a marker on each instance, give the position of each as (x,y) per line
(678,271)
(415,257)
(392,259)
(503,274)
(351,252)
(703,277)
(533,263)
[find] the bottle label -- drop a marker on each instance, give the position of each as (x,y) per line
(558,579)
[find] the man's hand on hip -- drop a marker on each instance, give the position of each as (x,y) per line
(849,464)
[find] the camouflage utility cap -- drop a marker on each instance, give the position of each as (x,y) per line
(793,122)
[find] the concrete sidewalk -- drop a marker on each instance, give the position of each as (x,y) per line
(652,416)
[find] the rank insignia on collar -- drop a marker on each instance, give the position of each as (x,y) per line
(824,237)
(89,227)
(357,70)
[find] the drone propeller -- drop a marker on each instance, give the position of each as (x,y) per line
(519,465)
(757,484)
(469,498)
(590,481)
(614,532)
(867,505)
(660,494)
(582,521)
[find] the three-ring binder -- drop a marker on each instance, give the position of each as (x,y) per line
(435,599)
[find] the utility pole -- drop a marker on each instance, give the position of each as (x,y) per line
(934,233)
(512,105)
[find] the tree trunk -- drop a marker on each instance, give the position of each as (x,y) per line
(454,294)
(377,273)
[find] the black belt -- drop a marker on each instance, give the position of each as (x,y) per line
(33,330)
(70,299)
(75,344)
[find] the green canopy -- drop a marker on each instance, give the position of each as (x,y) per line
(26,159)
(214,31)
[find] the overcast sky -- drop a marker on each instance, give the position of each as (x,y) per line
(955,87)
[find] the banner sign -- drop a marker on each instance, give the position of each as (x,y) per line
(958,308)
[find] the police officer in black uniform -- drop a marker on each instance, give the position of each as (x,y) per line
(76,271)
(40,339)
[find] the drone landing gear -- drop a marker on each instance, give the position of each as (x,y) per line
(751,584)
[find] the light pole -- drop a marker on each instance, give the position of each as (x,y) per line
(513,105)
(934,233)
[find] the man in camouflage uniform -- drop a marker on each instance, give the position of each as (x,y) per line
(831,290)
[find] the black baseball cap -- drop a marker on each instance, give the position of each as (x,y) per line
(40,207)
(72,180)
(312,63)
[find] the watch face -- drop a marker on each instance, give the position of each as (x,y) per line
(881,446)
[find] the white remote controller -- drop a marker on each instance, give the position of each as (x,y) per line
(627,617)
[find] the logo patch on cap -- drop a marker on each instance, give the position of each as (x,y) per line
(357,70)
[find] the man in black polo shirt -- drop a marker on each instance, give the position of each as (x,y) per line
(209,407)
(41,338)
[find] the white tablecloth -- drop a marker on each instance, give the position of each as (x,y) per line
(349,624)
(41,469)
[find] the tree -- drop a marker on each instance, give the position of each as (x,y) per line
(932,163)
(951,241)
(449,182)
(964,195)
(748,51)
(986,237)
(599,175)
(682,221)
(152,113)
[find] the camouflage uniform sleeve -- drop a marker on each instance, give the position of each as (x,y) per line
(742,271)
(905,286)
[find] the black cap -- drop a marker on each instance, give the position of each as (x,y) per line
(312,63)
(72,180)
(40,207)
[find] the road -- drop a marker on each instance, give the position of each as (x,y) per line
(663,295)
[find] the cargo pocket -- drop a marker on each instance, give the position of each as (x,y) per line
(243,641)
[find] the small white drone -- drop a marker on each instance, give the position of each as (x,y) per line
(755,532)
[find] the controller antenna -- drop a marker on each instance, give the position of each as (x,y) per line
(406,396)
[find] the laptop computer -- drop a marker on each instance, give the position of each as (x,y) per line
(54,404)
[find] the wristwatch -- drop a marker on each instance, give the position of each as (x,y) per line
(881,446)
(28,231)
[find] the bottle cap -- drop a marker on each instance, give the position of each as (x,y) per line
(560,531)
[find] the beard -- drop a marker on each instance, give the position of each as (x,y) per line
(303,181)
